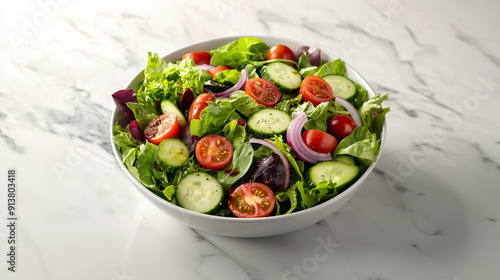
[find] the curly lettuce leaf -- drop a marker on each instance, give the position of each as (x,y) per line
(144,113)
(373,114)
(287,200)
(163,81)
(123,138)
(191,77)
(289,105)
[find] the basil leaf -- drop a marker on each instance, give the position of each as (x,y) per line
(242,160)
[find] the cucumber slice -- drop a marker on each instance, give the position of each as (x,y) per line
(338,172)
(268,122)
(200,192)
(345,158)
(168,106)
(284,76)
(171,153)
(341,86)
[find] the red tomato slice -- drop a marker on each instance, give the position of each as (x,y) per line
(163,127)
(263,91)
(216,70)
(200,57)
(214,151)
(283,52)
(340,126)
(315,90)
(199,103)
(252,200)
(319,141)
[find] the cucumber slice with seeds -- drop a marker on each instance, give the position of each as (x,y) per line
(285,77)
(268,122)
(338,172)
(171,153)
(345,158)
(341,86)
(200,192)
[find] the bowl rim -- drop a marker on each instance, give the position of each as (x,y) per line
(326,204)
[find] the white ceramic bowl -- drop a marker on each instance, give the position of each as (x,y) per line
(252,227)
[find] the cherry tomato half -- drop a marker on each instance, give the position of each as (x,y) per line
(214,151)
(319,141)
(315,90)
(216,70)
(340,126)
(199,103)
(283,52)
(263,91)
(252,200)
(163,127)
(200,57)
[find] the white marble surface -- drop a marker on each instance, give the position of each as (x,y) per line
(431,211)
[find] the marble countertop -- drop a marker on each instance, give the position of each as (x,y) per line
(430,211)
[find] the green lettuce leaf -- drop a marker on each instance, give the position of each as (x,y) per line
(239,53)
(242,102)
(235,133)
(169,193)
(228,77)
(163,81)
(307,198)
(252,71)
(317,116)
(373,114)
(153,87)
(289,105)
(190,166)
(145,164)
(304,66)
(361,144)
(123,139)
(213,118)
(194,78)
(336,67)
(360,96)
(144,113)
(287,200)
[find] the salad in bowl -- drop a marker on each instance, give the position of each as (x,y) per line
(247,129)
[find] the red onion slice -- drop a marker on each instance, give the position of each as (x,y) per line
(277,151)
(352,110)
(239,85)
(294,138)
